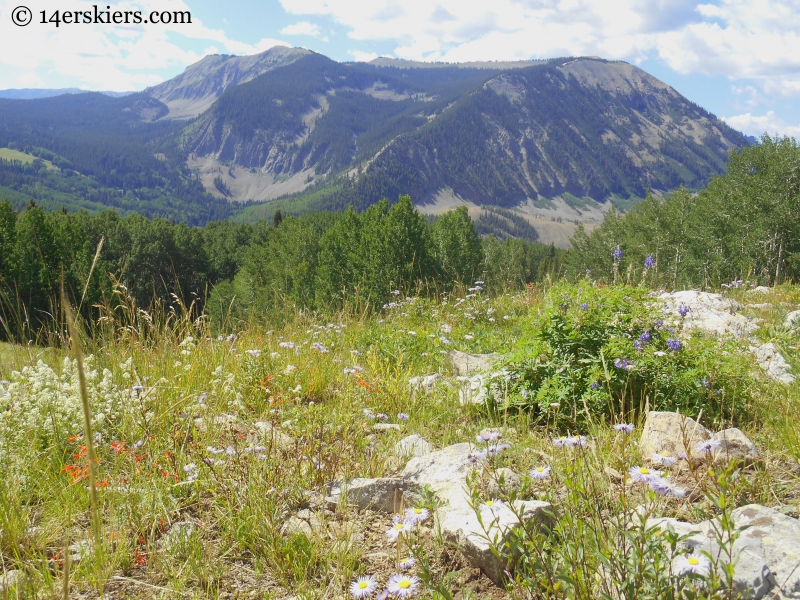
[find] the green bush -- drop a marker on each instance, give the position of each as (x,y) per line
(584,358)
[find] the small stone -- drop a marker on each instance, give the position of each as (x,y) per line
(792,320)
(735,447)
(386,426)
(79,550)
(176,539)
(511,481)
(266,433)
(412,445)
(297,526)
(773,363)
(11,579)
(375,494)
(468,364)
(425,383)
(663,432)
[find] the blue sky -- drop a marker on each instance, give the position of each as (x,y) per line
(739,59)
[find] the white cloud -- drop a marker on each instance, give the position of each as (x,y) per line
(108,57)
(756,125)
(362,56)
(740,39)
(302,28)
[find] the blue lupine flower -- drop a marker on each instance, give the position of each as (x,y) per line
(621,363)
(638,345)
(645,337)
(649,262)
(659,324)
(595,385)
(674,344)
(617,254)
(683,310)
(584,306)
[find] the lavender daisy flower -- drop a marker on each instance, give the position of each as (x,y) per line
(403,417)
(696,564)
(663,458)
(708,446)
(540,473)
(403,586)
(497,449)
(562,441)
(664,487)
(398,529)
(384,595)
(484,437)
(643,474)
(407,563)
(649,262)
(363,586)
(588,272)
(659,324)
(417,514)
(624,427)
(492,506)
(382,417)
(578,441)
(253,353)
(476,456)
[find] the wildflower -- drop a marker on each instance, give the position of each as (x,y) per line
(621,363)
(693,563)
(403,586)
(497,449)
(708,446)
(398,529)
(363,586)
(382,417)
(540,473)
(663,458)
(476,456)
(492,506)
(479,282)
(649,262)
(579,441)
(643,474)
(417,514)
(368,413)
(137,388)
(403,417)
(444,340)
(319,347)
(663,487)
(674,344)
(683,310)
(395,292)
(595,385)
(409,332)
(562,441)
(469,337)
(645,337)
(638,345)
(588,272)
(624,427)
(659,353)
(584,306)
(484,437)
(230,451)
(384,595)
(446,328)
(617,254)
(253,353)
(407,563)
(288,345)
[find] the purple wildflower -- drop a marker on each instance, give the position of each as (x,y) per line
(624,427)
(621,363)
(649,262)
(584,306)
(617,254)
(683,310)
(674,344)
(645,337)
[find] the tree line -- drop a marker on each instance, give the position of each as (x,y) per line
(234,272)
(744,226)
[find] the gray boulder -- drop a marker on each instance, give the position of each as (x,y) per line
(11,579)
(793,320)
(412,446)
(469,364)
(710,313)
(424,383)
(736,446)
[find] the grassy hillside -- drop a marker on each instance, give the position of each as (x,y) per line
(216,453)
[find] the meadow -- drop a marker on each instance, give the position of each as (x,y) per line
(216,449)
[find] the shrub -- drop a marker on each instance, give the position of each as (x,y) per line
(611,352)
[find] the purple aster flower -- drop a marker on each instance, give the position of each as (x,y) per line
(363,586)
(137,388)
(382,417)
(484,437)
(683,310)
(417,514)
(663,487)
(617,254)
(398,529)
(540,473)
(476,456)
(674,344)
(643,474)
(696,564)
(384,595)
(708,446)
(649,262)
(663,458)
(253,353)
(403,586)
(407,563)
(562,441)
(497,449)
(579,441)
(624,427)
(403,417)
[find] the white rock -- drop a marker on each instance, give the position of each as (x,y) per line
(511,481)
(761,289)
(382,494)
(386,426)
(773,363)
(468,364)
(412,445)
(664,432)
(175,540)
(266,434)
(711,313)
(425,383)
(473,390)
(11,579)
(793,320)
(736,446)
(297,526)
(766,553)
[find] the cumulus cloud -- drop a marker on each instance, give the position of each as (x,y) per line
(740,39)
(107,57)
(359,56)
(758,124)
(303,28)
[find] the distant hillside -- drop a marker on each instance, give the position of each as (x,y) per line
(35,93)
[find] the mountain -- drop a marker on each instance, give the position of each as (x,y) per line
(36,93)
(532,133)
(554,141)
(194,90)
